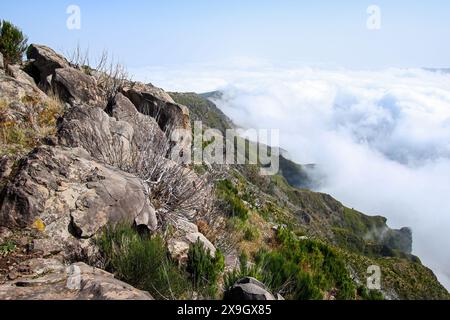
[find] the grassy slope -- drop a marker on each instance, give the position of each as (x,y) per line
(356,236)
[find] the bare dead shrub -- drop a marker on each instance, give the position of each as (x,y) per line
(110,75)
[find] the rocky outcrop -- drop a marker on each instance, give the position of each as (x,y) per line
(248,289)
(71,197)
(45,62)
(75,86)
(17,73)
(146,132)
(49,279)
(2,64)
(169,115)
(19,92)
(186,234)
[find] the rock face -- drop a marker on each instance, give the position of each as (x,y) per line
(115,140)
(75,86)
(248,289)
(187,233)
(49,279)
(2,65)
(169,115)
(46,61)
(72,197)
(17,73)
(16,92)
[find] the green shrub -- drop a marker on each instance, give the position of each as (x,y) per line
(228,193)
(245,270)
(251,234)
(7,248)
(305,269)
(143,262)
(13,42)
(204,268)
(366,294)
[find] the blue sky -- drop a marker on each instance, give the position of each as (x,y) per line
(177,32)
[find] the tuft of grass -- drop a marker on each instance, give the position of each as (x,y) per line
(298,269)
(19,136)
(231,202)
(205,269)
(251,234)
(7,248)
(142,261)
(245,270)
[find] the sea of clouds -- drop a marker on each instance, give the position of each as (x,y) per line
(380,138)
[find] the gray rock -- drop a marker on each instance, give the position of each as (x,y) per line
(197,236)
(51,280)
(74,197)
(248,289)
(17,73)
(186,226)
(179,245)
(105,138)
(169,115)
(74,85)
(146,132)
(46,61)
(2,64)
(15,91)
(125,140)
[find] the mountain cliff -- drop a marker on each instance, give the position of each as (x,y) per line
(91,177)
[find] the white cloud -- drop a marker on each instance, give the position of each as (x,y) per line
(381,137)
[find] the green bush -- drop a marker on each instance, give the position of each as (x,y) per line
(251,234)
(13,42)
(228,193)
(7,248)
(297,269)
(366,294)
(204,268)
(245,270)
(143,262)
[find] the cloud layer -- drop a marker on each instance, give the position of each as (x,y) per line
(382,138)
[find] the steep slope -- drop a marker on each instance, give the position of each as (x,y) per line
(363,240)
(90,175)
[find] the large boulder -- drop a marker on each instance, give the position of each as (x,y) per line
(105,138)
(45,62)
(186,234)
(146,132)
(74,85)
(119,140)
(15,91)
(156,92)
(248,289)
(49,279)
(2,64)
(172,118)
(68,197)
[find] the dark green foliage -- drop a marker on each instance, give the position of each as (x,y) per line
(143,262)
(251,234)
(303,269)
(244,270)
(231,202)
(13,43)
(7,248)
(366,294)
(204,269)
